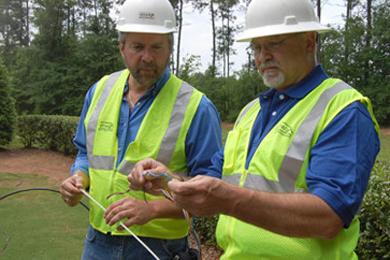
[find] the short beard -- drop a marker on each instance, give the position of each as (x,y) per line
(145,81)
(273,82)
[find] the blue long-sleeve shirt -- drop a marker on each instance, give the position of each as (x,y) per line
(341,160)
(202,142)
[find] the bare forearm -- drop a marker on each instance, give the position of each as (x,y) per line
(293,214)
(165,209)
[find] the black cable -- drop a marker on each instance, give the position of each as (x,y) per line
(197,242)
(36,189)
(26,190)
(193,232)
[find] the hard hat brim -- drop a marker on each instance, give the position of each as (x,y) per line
(273,30)
(134,28)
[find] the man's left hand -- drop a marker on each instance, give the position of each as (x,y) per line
(137,212)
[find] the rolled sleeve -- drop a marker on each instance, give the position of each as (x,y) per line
(203,138)
(215,170)
(80,140)
(80,163)
(342,159)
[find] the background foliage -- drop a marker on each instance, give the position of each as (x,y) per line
(51,132)
(55,50)
(7,108)
(374,240)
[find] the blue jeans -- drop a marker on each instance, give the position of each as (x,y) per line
(106,247)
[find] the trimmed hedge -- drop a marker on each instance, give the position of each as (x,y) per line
(374,242)
(53,132)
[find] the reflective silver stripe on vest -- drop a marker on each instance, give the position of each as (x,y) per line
(100,162)
(295,155)
(254,182)
(246,109)
(232,179)
(126,167)
(169,140)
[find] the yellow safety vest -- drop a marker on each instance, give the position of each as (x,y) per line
(161,136)
(279,165)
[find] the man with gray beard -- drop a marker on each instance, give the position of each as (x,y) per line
(296,165)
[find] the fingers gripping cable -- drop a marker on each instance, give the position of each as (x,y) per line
(121,224)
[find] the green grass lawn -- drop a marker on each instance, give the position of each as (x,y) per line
(37,224)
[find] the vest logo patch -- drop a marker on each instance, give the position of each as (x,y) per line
(285,130)
(106,126)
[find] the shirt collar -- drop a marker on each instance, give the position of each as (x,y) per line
(157,86)
(303,87)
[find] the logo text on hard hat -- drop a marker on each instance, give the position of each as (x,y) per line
(146,15)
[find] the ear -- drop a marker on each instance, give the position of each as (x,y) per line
(311,41)
(121,47)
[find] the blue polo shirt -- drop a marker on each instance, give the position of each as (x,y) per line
(202,141)
(341,160)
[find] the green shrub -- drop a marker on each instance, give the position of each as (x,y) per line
(205,227)
(7,108)
(51,132)
(374,240)
(28,129)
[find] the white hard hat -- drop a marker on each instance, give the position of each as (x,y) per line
(147,16)
(274,17)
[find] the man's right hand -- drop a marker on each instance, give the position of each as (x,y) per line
(138,181)
(70,188)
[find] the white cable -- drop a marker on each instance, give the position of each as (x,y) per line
(122,225)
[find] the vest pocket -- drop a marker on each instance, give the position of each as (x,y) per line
(230,151)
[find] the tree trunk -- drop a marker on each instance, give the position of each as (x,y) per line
(318,35)
(249,56)
(27,23)
(84,14)
(368,41)
(319,9)
(212,11)
(95,5)
(68,18)
(228,44)
(346,40)
(180,20)
(6,31)
(223,53)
